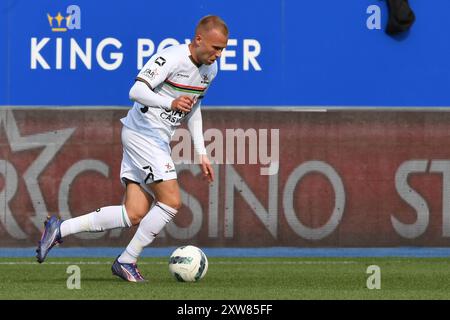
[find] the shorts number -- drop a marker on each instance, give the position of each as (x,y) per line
(150,175)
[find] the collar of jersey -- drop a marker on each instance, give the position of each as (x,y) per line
(195,63)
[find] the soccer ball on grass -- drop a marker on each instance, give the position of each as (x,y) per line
(188,264)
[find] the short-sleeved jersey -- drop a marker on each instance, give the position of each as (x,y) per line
(170,73)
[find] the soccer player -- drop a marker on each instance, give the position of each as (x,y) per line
(167,91)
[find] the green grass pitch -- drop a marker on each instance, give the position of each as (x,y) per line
(231,278)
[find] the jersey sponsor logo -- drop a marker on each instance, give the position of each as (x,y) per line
(160,61)
(173,116)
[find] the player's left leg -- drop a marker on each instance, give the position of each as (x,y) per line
(137,203)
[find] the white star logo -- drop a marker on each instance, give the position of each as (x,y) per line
(52,142)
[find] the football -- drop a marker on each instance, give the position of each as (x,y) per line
(188,264)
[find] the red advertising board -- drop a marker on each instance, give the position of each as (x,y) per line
(309,179)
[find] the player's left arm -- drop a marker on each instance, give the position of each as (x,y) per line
(195,126)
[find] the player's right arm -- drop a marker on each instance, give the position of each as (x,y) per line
(154,72)
(141,93)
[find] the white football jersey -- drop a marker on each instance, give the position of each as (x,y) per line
(171,73)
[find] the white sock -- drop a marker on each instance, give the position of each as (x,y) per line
(152,224)
(102,219)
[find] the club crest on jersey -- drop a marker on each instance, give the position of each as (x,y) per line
(205,79)
(160,61)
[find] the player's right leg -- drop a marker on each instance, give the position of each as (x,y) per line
(137,202)
(149,163)
(168,202)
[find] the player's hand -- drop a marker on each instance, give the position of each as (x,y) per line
(207,169)
(183,103)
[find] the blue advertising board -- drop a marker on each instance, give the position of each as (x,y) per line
(280,52)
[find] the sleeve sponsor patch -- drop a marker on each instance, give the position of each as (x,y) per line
(160,61)
(150,74)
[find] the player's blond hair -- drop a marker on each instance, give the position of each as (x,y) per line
(211,22)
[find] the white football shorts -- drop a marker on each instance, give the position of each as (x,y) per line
(143,161)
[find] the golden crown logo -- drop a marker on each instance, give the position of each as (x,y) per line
(59,18)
